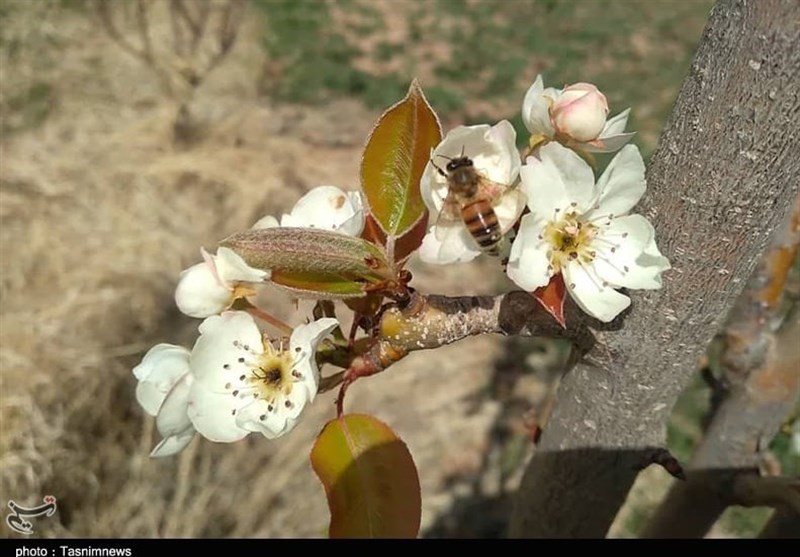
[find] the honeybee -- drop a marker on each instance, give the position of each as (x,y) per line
(471,200)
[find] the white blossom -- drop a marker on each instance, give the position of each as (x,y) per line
(212,286)
(495,157)
(326,208)
(233,382)
(244,383)
(584,230)
(164,383)
(575,116)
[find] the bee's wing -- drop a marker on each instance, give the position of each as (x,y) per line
(449,216)
(508,202)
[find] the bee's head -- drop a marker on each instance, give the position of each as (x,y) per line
(458,162)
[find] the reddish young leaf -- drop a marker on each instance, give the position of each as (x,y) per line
(396,154)
(551,297)
(405,245)
(372,231)
(369,477)
(411,240)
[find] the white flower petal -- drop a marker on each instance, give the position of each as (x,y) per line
(300,397)
(172,417)
(328,208)
(646,275)
(616,125)
(267,221)
(607,144)
(536,108)
(200,292)
(278,421)
(457,245)
(617,247)
(173,444)
(586,288)
(528,264)
(499,160)
(214,414)
(557,180)
(232,268)
(160,369)
(509,209)
(290,423)
(249,418)
(227,343)
(303,346)
(622,184)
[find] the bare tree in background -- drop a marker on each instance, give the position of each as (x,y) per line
(201,34)
(723,180)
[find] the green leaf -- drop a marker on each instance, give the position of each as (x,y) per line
(395,157)
(369,477)
(313,263)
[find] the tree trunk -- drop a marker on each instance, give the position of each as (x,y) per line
(761,372)
(784,524)
(724,176)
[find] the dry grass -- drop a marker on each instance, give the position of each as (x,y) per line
(100,211)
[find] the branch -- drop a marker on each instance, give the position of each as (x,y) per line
(694,506)
(721,181)
(433,321)
(783,524)
(750,490)
(762,369)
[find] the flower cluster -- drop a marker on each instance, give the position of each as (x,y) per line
(546,216)
(574,226)
(236,380)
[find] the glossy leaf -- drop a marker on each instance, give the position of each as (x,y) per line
(313,263)
(551,298)
(369,477)
(395,157)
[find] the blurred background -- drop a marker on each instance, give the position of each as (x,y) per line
(134,132)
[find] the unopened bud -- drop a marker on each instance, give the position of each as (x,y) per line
(580,112)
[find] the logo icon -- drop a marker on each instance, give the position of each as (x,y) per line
(16,520)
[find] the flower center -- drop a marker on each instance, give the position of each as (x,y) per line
(272,375)
(569,238)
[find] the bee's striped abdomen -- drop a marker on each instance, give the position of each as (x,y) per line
(481,222)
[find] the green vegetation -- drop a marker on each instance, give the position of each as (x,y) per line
(476,59)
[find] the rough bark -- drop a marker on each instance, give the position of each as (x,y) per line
(784,524)
(761,372)
(721,181)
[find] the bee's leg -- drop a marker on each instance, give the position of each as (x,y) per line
(504,251)
(439,170)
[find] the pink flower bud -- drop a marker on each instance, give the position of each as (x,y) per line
(580,112)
